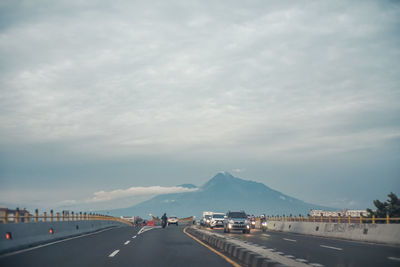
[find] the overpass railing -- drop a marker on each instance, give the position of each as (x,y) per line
(23,216)
(334,219)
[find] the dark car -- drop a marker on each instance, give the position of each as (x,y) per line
(236,220)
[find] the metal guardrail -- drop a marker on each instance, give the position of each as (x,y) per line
(57,217)
(334,219)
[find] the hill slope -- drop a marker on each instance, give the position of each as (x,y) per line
(221,193)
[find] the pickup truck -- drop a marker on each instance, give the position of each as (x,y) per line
(236,220)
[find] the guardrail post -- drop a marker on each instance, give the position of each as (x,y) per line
(5,216)
(387,218)
(329,219)
(17,215)
(44,216)
(322,218)
(76,216)
(80,215)
(349,219)
(373,219)
(36,215)
(27,217)
(338,219)
(72,216)
(51,215)
(84,216)
(58,217)
(313,218)
(361,221)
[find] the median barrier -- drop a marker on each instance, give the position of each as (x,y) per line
(24,235)
(377,233)
(245,256)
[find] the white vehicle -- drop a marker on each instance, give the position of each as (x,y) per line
(207,217)
(217,220)
(173,220)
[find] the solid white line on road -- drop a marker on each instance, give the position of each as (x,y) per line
(335,248)
(127,242)
(134,236)
(114,253)
(291,240)
(394,258)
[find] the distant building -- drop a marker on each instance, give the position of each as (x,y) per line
(11,214)
(344,212)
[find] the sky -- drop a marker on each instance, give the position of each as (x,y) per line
(104,104)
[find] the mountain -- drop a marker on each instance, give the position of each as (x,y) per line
(221,193)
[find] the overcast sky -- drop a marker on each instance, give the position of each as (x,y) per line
(100,100)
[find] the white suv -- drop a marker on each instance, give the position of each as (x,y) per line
(173,220)
(217,220)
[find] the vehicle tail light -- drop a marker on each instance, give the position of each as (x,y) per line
(8,236)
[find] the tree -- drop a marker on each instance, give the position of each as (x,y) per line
(390,207)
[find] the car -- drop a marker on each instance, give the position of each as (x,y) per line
(207,220)
(236,220)
(173,220)
(217,220)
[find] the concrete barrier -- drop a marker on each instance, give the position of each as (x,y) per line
(377,233)
(25,235)
(243,253)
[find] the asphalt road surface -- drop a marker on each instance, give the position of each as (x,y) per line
(323,251)
(124,246)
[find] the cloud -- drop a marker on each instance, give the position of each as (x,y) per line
(101,196)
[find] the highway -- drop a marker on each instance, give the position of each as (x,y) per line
(319,251)
(123,246)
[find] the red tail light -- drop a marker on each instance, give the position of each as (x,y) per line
(51,231)
(8,236)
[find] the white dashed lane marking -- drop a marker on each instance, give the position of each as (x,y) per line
(394,258)
(114,253)
(127,242)
(316,265)
(290,240)
(134,236)
(335,248)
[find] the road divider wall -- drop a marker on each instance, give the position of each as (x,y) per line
(377,233)
(17,236)
(244,253)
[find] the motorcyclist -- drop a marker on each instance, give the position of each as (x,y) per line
(263,222)
(164,219)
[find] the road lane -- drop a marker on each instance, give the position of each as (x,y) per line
(83,251)
(146,247)
(323,251)
(166,247)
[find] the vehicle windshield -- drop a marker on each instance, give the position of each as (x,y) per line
(218,216)
(237,215)
(208,216)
